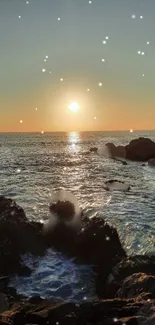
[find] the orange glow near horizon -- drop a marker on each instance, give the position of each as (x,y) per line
(53,58)
(94,113)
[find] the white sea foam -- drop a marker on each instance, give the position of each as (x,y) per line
(54,218)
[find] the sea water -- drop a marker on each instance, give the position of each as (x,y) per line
(33,165)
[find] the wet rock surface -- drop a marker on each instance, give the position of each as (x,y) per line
(116,151)
(141,149)
(123,270)
(14,238)
(137,284)
(108,312)
(127,284)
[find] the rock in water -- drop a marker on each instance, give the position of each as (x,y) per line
(96,244)
(116,151)
(115,185)
(141,149)
(64,210)
(94,149)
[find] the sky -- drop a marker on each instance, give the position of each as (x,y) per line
(99,54)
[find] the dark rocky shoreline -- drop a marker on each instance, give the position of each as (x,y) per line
(125,285)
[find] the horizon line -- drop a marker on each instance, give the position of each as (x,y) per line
(127,130)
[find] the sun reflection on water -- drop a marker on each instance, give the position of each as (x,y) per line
(73,137)
(73,141)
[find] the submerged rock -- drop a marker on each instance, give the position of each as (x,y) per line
(116,185)
(94,149)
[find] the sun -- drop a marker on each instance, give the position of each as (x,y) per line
(74,107)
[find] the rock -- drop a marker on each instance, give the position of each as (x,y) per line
(123,162)
(127,267)
(116,185)
(64,210)
(141,149)
(116,151)
(107,312)
(121,151)
(4,304)
(17,236)
(97,243)
(135,264)
(3,282)
(137,284)
(151,162)
(94,149)
(111,149)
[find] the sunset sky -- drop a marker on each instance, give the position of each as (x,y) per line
(72,34)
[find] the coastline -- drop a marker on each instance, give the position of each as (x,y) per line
(125,284)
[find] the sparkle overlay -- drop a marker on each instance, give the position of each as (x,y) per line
(58,39)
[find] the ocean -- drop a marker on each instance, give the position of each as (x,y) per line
(33,165)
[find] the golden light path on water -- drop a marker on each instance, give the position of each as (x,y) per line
(74,139)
